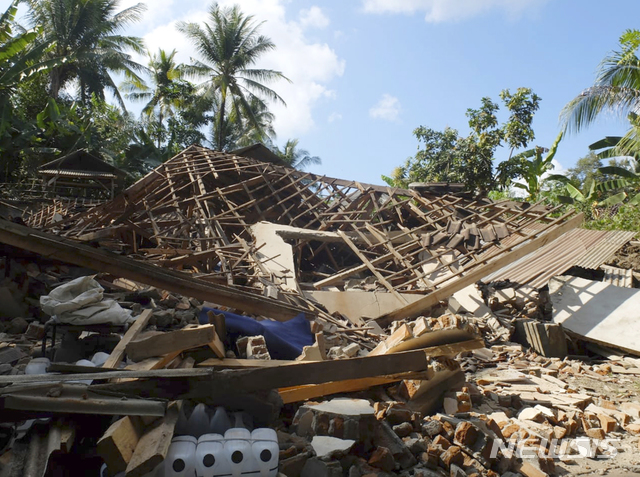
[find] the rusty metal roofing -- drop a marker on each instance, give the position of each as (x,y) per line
(579,247)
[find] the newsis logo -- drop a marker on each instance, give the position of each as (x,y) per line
(578,448)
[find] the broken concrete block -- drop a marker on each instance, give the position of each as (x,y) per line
(351,350)
(468,300)
(341,417)
(331,447)
(253,347)
(385,437)
(548,339)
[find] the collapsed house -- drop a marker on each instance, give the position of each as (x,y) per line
(372,288)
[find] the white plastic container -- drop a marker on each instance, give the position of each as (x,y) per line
(181,457)
(220,422)
(100,358)
(265,451)
(211,459)
(238,451)
(37,366)
(198,423)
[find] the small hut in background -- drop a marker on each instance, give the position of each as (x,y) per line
(81,175)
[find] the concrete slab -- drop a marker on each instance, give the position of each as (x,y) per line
(327,446)
(599,312)
(468,300)
(356,305)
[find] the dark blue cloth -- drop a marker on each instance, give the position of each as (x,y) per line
(285,340)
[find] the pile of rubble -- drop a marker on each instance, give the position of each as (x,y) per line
(223,305)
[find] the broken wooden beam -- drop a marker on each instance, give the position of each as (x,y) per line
(117,355)
(118,443)
(153,446)
(160,344)
(65,250)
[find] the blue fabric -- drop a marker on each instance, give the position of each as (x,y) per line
(285,340)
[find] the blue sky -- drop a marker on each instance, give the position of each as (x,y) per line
(365,73)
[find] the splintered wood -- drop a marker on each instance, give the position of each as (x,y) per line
(195,213)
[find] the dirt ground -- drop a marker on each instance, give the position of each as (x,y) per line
(627,460)
(627,257)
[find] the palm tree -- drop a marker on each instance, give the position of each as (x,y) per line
(167,93)
(297,158)
(239,131)
(229,46)
(88,35)
(616,90)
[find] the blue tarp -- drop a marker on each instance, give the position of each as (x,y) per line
(285,340)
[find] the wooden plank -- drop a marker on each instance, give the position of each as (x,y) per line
(65,250)
(160,344)
(153,446)
(116,356)
(419,307)
(118,443)
(302,393)
(247,363)
(209,383)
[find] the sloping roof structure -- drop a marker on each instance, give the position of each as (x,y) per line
(81,164)
(196,211)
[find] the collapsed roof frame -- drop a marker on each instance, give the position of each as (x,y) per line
(196,211)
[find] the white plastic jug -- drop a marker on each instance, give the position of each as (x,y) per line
(211,459)
(220,422)
(239,452)
(266,451)
(37,366)
(198,423)
(181,457)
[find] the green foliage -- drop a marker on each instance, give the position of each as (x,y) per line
(296,157)
(87,35)
(447,157)
(229,45)
(621,217)
(532,170)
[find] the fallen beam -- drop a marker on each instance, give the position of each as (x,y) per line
(65,250)
(210,384)
(161,344)
(301,393)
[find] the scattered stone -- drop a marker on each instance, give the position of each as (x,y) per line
(35,331)
(17,326)
(382,459)
(403,430)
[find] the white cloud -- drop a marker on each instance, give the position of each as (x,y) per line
(334,117)
(450,10)
(310,66)
(313,18)
(388,108)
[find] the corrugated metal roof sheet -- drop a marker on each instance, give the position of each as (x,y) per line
(80,174)
(607,246)
(579,247)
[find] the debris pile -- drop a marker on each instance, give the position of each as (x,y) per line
(243,304)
